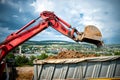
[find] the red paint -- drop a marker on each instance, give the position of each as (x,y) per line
(17,38)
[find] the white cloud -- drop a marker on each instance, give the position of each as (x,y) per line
(49,35)
(15,16)
(102,14)
(98,13)
(11,3)
(2,1)
(19,6)
(42,5)
(20,10)
(6,30)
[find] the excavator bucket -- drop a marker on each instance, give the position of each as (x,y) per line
(92,35)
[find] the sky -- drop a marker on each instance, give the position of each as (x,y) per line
(104,14)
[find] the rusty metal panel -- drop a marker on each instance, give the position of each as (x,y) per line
(89,68)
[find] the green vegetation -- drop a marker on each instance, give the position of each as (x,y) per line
(9,56)
(42,56)
(21,60)
(32,49)
(117,53)
(49,42)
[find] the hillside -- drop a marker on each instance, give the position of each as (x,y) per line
(49,42)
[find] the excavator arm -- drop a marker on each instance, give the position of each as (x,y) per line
(48,19)
(22,35)
(91,33)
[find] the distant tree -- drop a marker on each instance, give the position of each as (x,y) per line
(42,56)
(31,59)
(21,60)
(10,55)
(15,50)
(117,53)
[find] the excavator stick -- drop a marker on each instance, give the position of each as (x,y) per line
(92,35)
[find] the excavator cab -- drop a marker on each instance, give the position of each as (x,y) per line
(92,35)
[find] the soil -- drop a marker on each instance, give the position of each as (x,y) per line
(24,73)
(71,54)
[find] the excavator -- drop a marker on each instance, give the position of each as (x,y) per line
(91,34)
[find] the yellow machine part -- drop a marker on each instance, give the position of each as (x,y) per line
(104,79)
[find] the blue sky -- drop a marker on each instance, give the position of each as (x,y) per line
(105,14)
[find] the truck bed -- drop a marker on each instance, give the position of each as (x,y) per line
(77,68)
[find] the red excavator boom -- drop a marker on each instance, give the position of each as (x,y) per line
(48,19)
